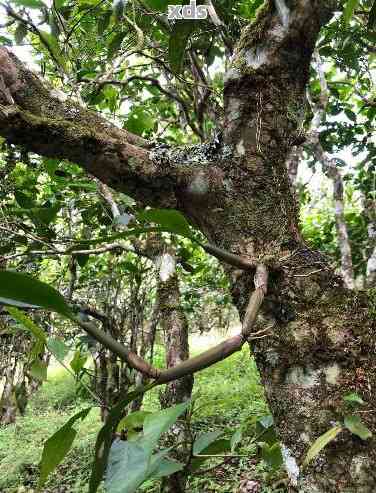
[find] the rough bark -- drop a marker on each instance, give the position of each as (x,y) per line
(175,326)
(321,343)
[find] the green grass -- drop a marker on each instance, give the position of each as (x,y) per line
(225,395)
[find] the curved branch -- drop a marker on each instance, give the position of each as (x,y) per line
(197,363)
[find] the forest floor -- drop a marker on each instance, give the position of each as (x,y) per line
(228,396)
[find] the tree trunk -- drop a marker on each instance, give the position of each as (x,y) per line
(370,213)
(175,326)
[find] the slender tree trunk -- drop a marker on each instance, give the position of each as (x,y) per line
(332,171)
(175,326)
(370,213)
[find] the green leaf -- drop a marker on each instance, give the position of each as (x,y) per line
(178,42)
(169,219)
(236,439)
(158,423)
(204,440)
(160,5)
(82,259)
(265,429)
(115,44)
(104,21)
(132,463)
(139,121)
(105,436)
(372,17)
(21,288)
(353,398)
(133,421)
(45,214)
(37,350)
(78,362)
(128,466)
(58,445)
(166,467)
(272,455)
(321,442)
(58,348)
(23,200)
(355,425)
(29,324)
(217,447)
(38,370)
(350,7)
(33,4)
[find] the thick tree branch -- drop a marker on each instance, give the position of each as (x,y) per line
(46,122)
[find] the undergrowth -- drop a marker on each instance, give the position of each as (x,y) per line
(226,395)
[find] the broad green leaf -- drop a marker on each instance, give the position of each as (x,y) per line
(23,200)
(321,442)
(355,425)
(84,185)
(218,447)
(178,42)
(37,350)
(160,5)
(372,17)
(133,421)
(115,44)
(29,324)
(10,301)
(104,21)
(158,423)
(22,288)
(139,120)
(353,398)
(272,455)
(265,430)
(58,348)
(204,440)
(78,362)
(58,445)
(45,214)
(105,436)
(6,41)
(166,467)
(350,7)
(128,465)
(169,219)
(38,370)
(58,4)
(236,439)
(132,463)
(33,4)
(82,259)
